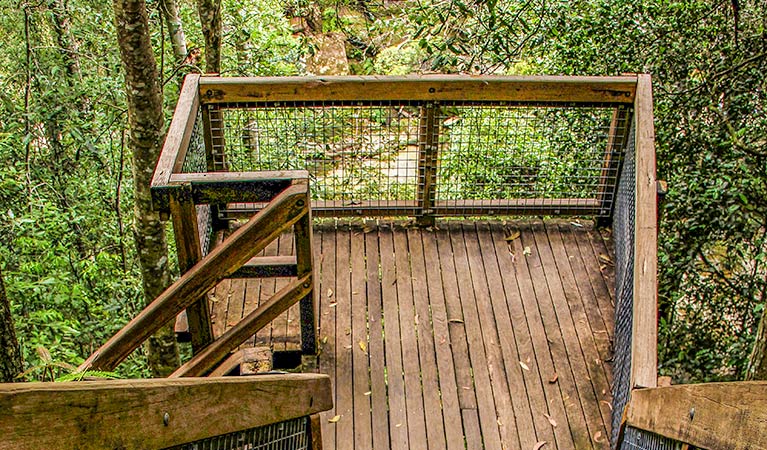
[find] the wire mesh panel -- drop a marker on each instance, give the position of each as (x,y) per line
(195,160)
(536,153)
(635,439)
(291,434)
(623,238)
(412,158)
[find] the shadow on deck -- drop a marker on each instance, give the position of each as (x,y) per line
(466,335)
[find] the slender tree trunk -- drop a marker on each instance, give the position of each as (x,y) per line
(145,119)
(757,364)
(10,356)
(68,46)
(175,29)
(210,21)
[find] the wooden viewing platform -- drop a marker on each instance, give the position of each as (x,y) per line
(466,335)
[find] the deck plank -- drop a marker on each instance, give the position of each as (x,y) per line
(344,347)
(379,404)
(462,332)
(416,420)
(398,424)
(505,421)
(435,430)
(363,433)
(451,410)
(488,419)
(327,325)
(522,419)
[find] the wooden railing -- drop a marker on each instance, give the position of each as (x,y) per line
(153,414)
(288,209)
(240,116)
(715,416)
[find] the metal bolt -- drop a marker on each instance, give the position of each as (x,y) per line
(306,285)
(166,419)
(300,203)
(692,413)
(432,90)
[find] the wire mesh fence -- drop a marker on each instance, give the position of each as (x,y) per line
(291,434)
(636,439)
(623,238)
(418,157)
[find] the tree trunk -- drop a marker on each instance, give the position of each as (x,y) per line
(175,29)
(146,134)
(10,356)
(70,50)
(210,21)
(757,364)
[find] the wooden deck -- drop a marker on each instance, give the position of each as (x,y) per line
(468,335)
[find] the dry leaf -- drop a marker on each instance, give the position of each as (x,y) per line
(348,347)
(334,419)
(551,420)
(553,379)
(330,293)
(524,366)
(363,347)
(598,436)
(415,319)
(455,321)
(605,258)
(325,340)
(367,229)
(368,393)
(332,305)
(609,405)
(512,236)
(398,425)
(527,251)
(539,445)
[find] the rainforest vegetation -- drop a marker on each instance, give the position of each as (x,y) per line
(69,234)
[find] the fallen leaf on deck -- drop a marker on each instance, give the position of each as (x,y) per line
(368,393)
(551,420)
(539,445)
(527,251)
(598,436)
(455,321)
(466,388)
(415,319)
(332,305)
(325,340)
(609,405)
(398,425)
(363,347)
(512,236)
(367,229)
(553,379)
(334,419)
(330,293)
(348,347)
(524,366)
(605,258)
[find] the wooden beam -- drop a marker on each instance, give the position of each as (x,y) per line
(644,333)
(245,328)
(177,140)
(729,416)
(616,141)
(540,89)
(151,414)
(230,187)
(305,266)
(428,148)
(189,251)
(390,208)
(241,246)
(268,267)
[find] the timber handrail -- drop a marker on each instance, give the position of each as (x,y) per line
(644,333)
(283,212)
(151,414)
(715,416)
(523,89)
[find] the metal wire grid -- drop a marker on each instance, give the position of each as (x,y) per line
(635,439)
(195,154)
(623,238)
(499,152)
(368,152)
(291,434)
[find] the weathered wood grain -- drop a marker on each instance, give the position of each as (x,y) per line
(128,414)
(550,89)
(717,416)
